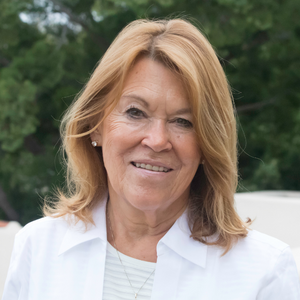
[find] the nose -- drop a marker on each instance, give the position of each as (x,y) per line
(157,137)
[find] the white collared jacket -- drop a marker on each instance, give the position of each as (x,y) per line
(52,260)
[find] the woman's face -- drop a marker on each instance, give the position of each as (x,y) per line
(148,143)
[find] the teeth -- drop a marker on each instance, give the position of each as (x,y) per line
(152,168)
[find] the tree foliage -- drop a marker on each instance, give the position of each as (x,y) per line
(48,49)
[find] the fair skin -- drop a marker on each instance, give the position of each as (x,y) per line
(151,155)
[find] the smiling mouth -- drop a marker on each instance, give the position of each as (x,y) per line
(151,167)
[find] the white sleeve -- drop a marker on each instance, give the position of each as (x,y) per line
(283,280)
(16,285)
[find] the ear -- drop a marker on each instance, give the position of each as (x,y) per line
(96,136)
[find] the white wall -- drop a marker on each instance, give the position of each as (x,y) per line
(274,213)
(7,235)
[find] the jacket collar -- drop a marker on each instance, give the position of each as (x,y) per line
(177,238)
(78,233)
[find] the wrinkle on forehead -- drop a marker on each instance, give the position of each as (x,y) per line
(144,81)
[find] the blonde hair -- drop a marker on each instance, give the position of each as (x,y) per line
(181,47)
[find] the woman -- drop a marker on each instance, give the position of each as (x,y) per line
(152,171)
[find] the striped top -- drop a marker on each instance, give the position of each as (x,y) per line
(116,284)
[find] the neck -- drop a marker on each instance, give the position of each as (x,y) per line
(136,232)
(140,224)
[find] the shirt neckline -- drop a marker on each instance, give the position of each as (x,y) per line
(133,261)
(177,239)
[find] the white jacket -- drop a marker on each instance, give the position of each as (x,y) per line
(54,261)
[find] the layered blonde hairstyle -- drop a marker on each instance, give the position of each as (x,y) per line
(183,49)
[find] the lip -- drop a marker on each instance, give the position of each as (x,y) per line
(152,163)
(150,174)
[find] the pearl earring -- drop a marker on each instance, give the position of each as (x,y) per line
(94,144)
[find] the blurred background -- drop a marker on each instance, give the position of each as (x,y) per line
(48,49)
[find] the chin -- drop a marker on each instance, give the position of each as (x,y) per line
(147,202)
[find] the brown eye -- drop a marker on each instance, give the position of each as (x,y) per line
(135,113)
(184,123)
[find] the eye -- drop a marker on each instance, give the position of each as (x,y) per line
(135,113)
(183,122)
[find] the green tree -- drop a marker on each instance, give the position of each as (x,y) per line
(48,49)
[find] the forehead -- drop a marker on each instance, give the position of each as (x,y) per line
(150,82)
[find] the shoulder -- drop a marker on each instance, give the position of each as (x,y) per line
(272,259)
(42,231)
(259,265)
(255,251)
(46,223)
(37,240)
(259,254)
(258,247)
(263,242)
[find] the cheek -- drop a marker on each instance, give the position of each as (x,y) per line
(188,150)
(119,138)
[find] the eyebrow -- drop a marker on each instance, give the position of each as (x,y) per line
(136,97)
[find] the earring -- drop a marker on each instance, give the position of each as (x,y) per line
(94,144)
(203,162)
